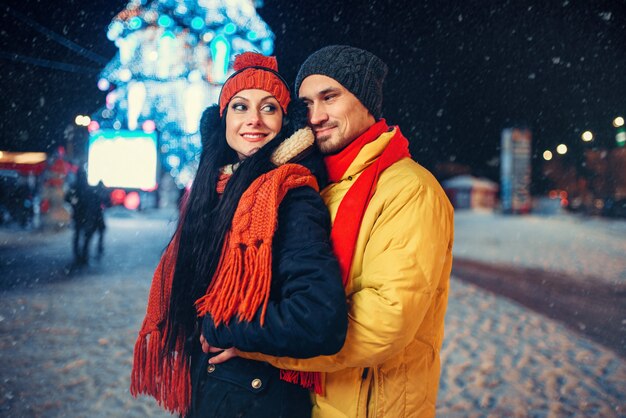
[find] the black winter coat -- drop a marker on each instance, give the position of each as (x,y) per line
(306,316)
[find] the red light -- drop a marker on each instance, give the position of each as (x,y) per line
(118,196)
(93,126)
(151,189)
(44,206)
(564,203)
(110,100)
(553,194)
(132,201)
(563,194)
(148,126)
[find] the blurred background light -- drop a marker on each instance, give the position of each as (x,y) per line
(165,21)
(135,23)
(148,126)
(230,28)
(93,126)
(103,84)
(197,23)
(547,155)
(132,201)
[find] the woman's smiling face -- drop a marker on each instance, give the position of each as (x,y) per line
(253,119)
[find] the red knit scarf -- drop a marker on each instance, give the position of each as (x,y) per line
(240,286)
(350,213)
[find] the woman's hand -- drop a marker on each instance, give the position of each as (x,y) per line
(225,355)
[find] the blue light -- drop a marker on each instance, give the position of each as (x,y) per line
(267,46)
(197,23)
(165,21)
(173,160)
(168,34)
(230,28)
(135,22)
(252,36)
(220,54)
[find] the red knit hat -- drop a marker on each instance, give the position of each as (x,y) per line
(255,71)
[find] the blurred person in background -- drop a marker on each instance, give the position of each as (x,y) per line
(104,201)
(87,216)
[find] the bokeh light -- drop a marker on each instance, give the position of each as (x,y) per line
(547,155)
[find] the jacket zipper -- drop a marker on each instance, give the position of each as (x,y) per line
(362,397)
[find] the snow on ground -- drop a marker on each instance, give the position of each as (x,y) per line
(66,346)
(500,359)
(567,244)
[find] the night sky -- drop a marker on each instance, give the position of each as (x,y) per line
(460,71)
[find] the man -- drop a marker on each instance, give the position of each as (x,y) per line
(87,216)
(392,233)
(78,197)
(104,201)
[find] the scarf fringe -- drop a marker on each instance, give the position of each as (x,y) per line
(241,284)
(164,377)
(308,380)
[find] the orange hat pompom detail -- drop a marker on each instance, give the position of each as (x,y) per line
(252,59)
(255,71)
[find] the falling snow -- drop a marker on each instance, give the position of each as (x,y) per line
(606,16)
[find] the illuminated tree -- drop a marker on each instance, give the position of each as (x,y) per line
(173,57)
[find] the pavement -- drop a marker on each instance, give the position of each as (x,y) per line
(591,307)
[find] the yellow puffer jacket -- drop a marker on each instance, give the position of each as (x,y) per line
(397,297)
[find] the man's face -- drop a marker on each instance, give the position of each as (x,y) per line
(336,116)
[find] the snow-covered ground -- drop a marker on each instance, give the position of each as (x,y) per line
(500,359)
(66,343)
(574,245)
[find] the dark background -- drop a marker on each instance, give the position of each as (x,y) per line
(460,72)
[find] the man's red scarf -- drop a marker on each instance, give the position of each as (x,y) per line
(350,213)
(240,286)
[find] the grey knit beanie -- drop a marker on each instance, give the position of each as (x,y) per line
(358,70)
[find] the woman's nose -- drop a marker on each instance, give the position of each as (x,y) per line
(254,119)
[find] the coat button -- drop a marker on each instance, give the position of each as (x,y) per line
(256,383)
(210,368)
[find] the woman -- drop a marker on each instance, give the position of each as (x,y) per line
(251,254)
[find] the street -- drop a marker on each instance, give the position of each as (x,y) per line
(590,307)
(67,338)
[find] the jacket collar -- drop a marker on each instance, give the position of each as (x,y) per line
(369,153)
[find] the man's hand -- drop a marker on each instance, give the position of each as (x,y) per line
(206,348)
(225,355)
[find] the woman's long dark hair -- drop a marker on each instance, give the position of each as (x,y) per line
(205,219)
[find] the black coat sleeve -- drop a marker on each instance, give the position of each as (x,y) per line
(307,312)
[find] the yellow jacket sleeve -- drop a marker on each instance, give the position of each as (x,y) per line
(392,291)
